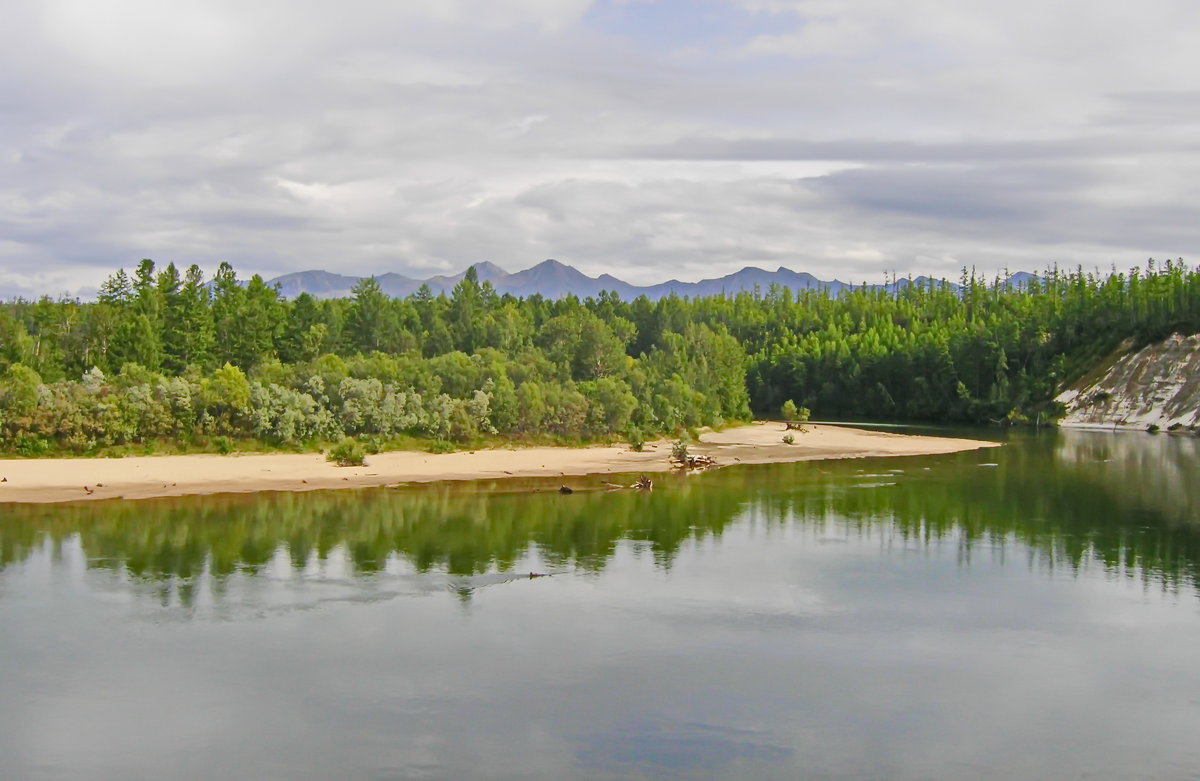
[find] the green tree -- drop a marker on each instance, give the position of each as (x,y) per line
(227,397)
(465,313)
(505,410)
(228,303)
(20,389)
(261,320)
(173,338)
(371,322)
(196,320)
(116,289)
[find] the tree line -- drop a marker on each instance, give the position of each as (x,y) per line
(165,356)
(975,353)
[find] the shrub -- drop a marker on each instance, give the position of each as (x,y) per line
(636,441)
(223,445)
(441,446)
(32,446)
(788,439)
(679,450)
(789,410)
(19,389)
(347,452)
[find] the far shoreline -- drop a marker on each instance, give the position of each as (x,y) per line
(41,481)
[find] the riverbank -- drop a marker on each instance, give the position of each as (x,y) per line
(143,477)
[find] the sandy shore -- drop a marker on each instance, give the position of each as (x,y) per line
(74,479)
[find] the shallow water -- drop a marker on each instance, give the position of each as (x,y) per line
(1024,612)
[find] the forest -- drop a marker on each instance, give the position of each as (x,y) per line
(164,360)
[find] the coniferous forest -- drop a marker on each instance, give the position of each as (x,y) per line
(172,360)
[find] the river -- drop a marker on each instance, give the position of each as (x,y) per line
(1021,612)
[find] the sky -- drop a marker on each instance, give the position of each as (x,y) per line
(649,139)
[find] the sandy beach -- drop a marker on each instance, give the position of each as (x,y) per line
(141,477)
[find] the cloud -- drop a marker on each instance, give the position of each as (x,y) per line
(838,137)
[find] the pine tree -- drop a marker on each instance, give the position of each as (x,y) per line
(227,305)
(173,336)
(371,322)
(196,319)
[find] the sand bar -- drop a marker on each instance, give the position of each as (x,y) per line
(141,477)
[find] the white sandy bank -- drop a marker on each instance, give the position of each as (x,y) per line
(72,479)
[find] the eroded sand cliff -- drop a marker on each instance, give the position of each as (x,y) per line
(1157,385)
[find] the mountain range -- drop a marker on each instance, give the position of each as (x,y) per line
(555,280)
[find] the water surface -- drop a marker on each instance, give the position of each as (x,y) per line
(1023,612)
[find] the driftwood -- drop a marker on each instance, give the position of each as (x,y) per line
(643,483)
(692,462)
(793,425)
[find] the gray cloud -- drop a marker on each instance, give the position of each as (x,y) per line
(861,136)
(867,150)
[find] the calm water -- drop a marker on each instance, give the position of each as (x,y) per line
(1027,612)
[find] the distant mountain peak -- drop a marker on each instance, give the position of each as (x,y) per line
(552,266)
(486,269)
(554,279)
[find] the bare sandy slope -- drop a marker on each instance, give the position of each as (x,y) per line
(72,479)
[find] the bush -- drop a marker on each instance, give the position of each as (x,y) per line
(441,446)
(679,450)
(223,445)
(788,439)
(348,452)
(636,441)
(789,410)
(32,446)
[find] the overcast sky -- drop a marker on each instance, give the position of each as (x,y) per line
(648,139)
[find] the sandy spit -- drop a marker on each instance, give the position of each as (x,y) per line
(142,477)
